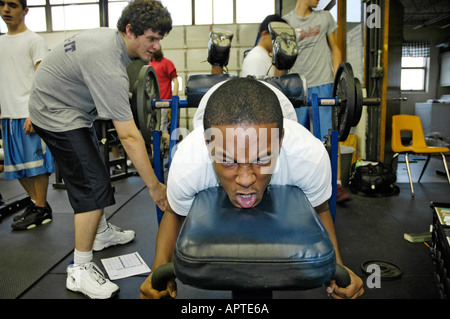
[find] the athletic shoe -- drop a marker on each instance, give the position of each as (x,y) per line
(89,280)
(29,207)
(32,217)
(341,195)
(113,235)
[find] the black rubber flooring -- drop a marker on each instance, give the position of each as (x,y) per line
(33,263)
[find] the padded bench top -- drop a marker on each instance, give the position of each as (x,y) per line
(280,244)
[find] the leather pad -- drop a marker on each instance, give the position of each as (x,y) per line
(279,245)
(293,86)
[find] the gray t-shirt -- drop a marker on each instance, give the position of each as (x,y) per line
(314,57)
(81,79)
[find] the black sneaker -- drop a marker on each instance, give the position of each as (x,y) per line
(34,217)
(28,209)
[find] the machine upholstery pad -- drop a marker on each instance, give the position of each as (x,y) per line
(281,244)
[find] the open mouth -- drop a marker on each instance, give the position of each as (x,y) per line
(246,200)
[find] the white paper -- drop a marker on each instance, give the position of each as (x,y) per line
(125,266)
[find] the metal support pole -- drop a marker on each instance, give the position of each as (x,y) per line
(315,115)
(174,123)
(158,166)
(334,171)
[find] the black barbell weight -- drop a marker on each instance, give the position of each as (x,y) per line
(358,103)
(344,90)
(147,90)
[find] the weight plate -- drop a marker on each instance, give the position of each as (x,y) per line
(358,102)
(344,89)
(147,91)
(388,271)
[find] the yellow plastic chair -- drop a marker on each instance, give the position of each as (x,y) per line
(413,124)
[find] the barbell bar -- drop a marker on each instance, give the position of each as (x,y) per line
(347,101)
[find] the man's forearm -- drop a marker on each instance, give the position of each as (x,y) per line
(166,239)
(134,145)
(327,221)
(137,152)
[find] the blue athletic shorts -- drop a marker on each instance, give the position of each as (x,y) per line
(81,165)
(25,155)
(322,91)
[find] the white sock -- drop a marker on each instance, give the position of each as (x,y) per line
(81,257)
(102,225)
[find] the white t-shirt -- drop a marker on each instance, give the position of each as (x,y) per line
(258,63)
(19,55)
(303,162)
(286,106)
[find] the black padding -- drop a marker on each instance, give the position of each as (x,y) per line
(291,85)
(198,84)
(280,245)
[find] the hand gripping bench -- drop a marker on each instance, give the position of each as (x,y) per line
(279,245)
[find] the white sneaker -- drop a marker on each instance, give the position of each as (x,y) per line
(113,235)
(88,279)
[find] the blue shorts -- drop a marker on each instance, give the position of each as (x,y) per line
(325,112)
(81,165)
(25,155)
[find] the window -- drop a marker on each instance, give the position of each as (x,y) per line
(415,56)
(3,27)
(115,9)
(253,11)
(222,11)
(180,10)
(35,19)
(36,2)
(67,17)
(213,11)
(203,11)
(63,15)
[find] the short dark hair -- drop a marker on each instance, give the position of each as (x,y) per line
(243,101)
(158,55)
(264,26)
(24,4)
(143,15)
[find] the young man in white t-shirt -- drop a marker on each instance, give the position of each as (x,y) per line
(258,61)
(220,152)
(27,158)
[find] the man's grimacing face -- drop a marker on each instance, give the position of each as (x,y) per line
(244,158)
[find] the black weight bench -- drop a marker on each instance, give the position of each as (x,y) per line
(279,245)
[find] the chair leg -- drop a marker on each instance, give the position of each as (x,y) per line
(445,166)
(409,174)
(424,167)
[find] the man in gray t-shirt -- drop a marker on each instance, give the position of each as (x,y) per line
(313,34)
(81,79)
(319,55)
(318,60)
(74,86)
